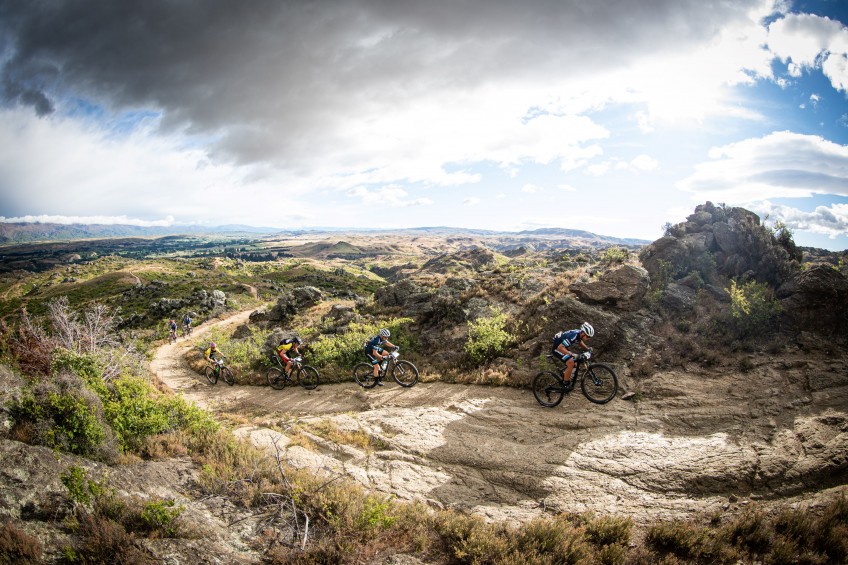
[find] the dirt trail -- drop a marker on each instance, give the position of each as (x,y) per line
(689,445)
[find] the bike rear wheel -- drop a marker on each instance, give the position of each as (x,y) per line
(363,373)
(599,383)
(229,378)
(309,377)
(276,378)
(548,389)
(405,373)
(211,376)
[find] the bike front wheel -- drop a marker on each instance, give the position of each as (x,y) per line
(363,373)
(548,389)
(229,378)
(276,378)
(309,377)
(211,376)
(405,373)
(599,383)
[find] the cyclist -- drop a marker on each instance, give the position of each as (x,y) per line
(213,354)
(565,339)
(172,328)
(286,345)
(187,323)
(374,351)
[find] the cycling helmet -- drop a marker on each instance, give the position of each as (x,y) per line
(212,345)
(385,333)
(297,340)
(587,329)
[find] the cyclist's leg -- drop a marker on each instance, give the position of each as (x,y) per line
(375,363)
(564,354)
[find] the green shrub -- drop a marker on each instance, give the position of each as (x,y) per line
(62,414)
(81,489)
(488,338)
(753,307)
(160,517)
(613,255)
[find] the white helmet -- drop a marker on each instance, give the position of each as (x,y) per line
(587,329)
(385,333)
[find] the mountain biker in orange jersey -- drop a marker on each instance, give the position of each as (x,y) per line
(286,345)
(374,351)
(563,340)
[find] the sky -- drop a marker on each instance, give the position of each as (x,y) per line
(611,116)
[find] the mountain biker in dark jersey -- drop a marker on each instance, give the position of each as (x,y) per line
(187,323)
(565,339)
(374,351)
(172,328)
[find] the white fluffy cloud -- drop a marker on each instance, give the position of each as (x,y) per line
(782,164)
(807,41)
(828,220)
(101,220)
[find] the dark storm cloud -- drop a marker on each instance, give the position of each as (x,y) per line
(274,80)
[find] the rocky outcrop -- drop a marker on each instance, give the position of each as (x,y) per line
(717,243)
(816,299)
(622,288)
(289,303)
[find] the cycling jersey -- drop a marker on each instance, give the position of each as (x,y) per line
(173,326)
(567,338)
(210,352)
(375,342)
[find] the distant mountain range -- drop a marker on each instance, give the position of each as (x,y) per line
(36,232)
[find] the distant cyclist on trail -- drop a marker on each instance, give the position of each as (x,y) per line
(289,344)
(565,339)
(187,323)
(172,328)
(374,351)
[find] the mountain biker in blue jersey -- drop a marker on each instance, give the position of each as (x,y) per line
(187,323)
(374,351)
(565,339)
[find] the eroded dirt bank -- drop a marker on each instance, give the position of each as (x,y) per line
(690,444)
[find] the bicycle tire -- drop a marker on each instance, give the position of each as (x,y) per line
(599,383)
(172,338)
(309,377)
(276,378)
(229,377)
(363,374)
(211,376)
(548,389)
(405,373)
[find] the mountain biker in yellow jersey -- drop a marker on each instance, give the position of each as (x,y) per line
(286,345)
(563,340)
(213,354)
(374,351)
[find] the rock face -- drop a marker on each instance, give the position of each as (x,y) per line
(622,288)
(289,303)
(816,299)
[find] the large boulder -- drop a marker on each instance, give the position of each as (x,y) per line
(622,288)
(816,300)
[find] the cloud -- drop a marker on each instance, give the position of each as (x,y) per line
(531,189)
(782,164)
(806,41)
(828,220)
(387,195)
(101,220)
(471,201)
(398,90)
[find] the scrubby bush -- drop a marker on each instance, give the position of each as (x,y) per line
(753,307)
(337,353)
(488,338)
(16,546)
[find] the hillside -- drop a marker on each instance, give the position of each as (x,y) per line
(731,447)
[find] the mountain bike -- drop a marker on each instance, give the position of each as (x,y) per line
(307,376)
(172,335)
(403,372)
(597,381)
(186,330)
(216,369)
